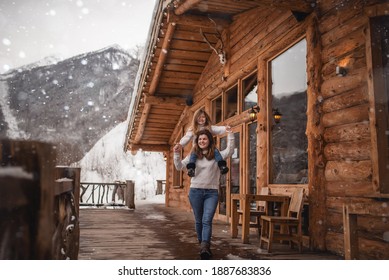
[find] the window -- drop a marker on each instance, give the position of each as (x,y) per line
(380,57)
(237,99)
(287,139)
(249,91)
(231,102)
(217,109)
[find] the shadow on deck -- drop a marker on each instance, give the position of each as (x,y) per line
(155,232)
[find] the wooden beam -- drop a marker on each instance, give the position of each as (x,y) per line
(142,123)
(377,10)
(161,60)
(292,5)
(198,21)
(149,147)
(165,101)
(187,5)
(314,130)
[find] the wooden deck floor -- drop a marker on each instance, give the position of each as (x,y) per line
(155,232)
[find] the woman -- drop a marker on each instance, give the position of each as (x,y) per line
(203,192)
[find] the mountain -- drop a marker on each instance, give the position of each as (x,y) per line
(71,103)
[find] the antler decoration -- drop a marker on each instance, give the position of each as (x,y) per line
(220,52)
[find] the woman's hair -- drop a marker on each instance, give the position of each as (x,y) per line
(195,125)
(210,154)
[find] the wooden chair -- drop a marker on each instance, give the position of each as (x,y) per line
(291,223)
(261,210)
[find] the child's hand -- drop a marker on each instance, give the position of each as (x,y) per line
(177,148)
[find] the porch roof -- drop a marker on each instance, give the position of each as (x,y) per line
(182,37)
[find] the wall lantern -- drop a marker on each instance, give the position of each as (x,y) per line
(277,115)
(253,113)
(341,71)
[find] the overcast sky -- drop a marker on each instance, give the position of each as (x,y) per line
(31,30)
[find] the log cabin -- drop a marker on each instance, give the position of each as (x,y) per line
(305,87)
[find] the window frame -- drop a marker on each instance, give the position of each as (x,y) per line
(270,120)
(241,97)
(378,114)
(213,113)
(225,101)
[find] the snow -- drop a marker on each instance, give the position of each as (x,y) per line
(16,172)
(233,257)
(106,162)
(13,131)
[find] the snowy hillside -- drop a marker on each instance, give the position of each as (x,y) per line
(106,162)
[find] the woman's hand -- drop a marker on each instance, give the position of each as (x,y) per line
(228,129)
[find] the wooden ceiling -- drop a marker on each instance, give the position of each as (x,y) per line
(181,40)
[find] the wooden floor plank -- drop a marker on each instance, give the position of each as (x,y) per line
(155,232)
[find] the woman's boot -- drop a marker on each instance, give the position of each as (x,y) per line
(205,250)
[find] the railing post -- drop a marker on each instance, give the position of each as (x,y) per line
(159,187)
(66,237)
(129,196)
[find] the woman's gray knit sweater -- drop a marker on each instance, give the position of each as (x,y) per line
(207,173)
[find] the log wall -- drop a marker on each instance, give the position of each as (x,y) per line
(339,128)
(348,130)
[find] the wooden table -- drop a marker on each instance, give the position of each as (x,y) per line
(245,207)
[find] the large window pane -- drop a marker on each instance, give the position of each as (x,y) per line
(288,147)
(249,88)
(231,102)
(217,110)
(380,58)
(252,164)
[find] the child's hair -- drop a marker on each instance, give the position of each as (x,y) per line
(207,124)
(211,147)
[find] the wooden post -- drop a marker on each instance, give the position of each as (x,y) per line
(316,161)
(66,211)
(74,174)
(159,187)
(160,184)
(350,234)
(129,196)
(234,217)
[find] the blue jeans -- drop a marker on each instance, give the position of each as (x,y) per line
(204,203)
(218,156)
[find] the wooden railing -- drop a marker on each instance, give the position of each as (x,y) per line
(38,203)
(66,213)
(108,194)
(161,187)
